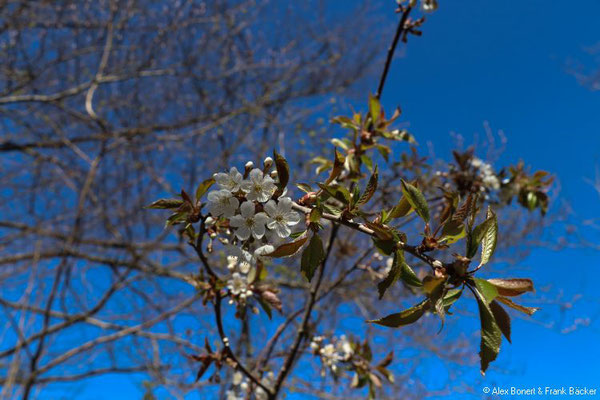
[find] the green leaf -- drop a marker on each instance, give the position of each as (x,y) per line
(401,135)
(312,256)
(486,289)
(339,143)
(304,187)
(432,286)
(370,189)
(402,209)
(490,237)
(405,317)
(408,276)
(283,170)
(338,192)
(374,109)
(526,310)
(164,204)
(315,215)
(177,218)
(502,319)
(331,209)
(203,187)
(453,231)
(386,247)
(479,233)
(345,122)
(382,232)
(491,335)
(416,200)
(296,235)
(451,297)
(288,249)
(512,287)
(338,166)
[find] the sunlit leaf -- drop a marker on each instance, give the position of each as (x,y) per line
(478,234)
(513,286)
(370,189)
(203,187)
(526,310)
(403,208)
(486,289)
(288,249)
(490,237)
(453,231)
(405,317)
(416,200)
(491,335)
(163,204)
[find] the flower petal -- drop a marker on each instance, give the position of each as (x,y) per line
(247,209)
(271,208)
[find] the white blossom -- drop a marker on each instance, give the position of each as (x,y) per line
(281,216)
(249,224)
(258,186)
(230,181)
(232,395)
(263,250)
(239,259)
(329,356)
(238,285)
(221,202)
(389,263)
(237,378)
(344,348)
(268,381)
(486,172)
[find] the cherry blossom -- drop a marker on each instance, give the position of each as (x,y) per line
(281,216)
(230,181)
(221,202)
(249,224)
(238,285)
(259,187)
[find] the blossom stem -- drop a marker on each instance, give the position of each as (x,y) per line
(414,250)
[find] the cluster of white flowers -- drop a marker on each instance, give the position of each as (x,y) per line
(258,221)
(338,351)
(486,172)
(240,386)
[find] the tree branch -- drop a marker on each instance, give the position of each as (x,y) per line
(390,54)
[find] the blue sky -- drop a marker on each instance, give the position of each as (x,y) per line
(506,63)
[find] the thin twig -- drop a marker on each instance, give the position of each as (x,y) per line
(391,49)
(302,331)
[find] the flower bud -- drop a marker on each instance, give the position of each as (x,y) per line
(273,174)
(209,220)
(268,162)
(247,168)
